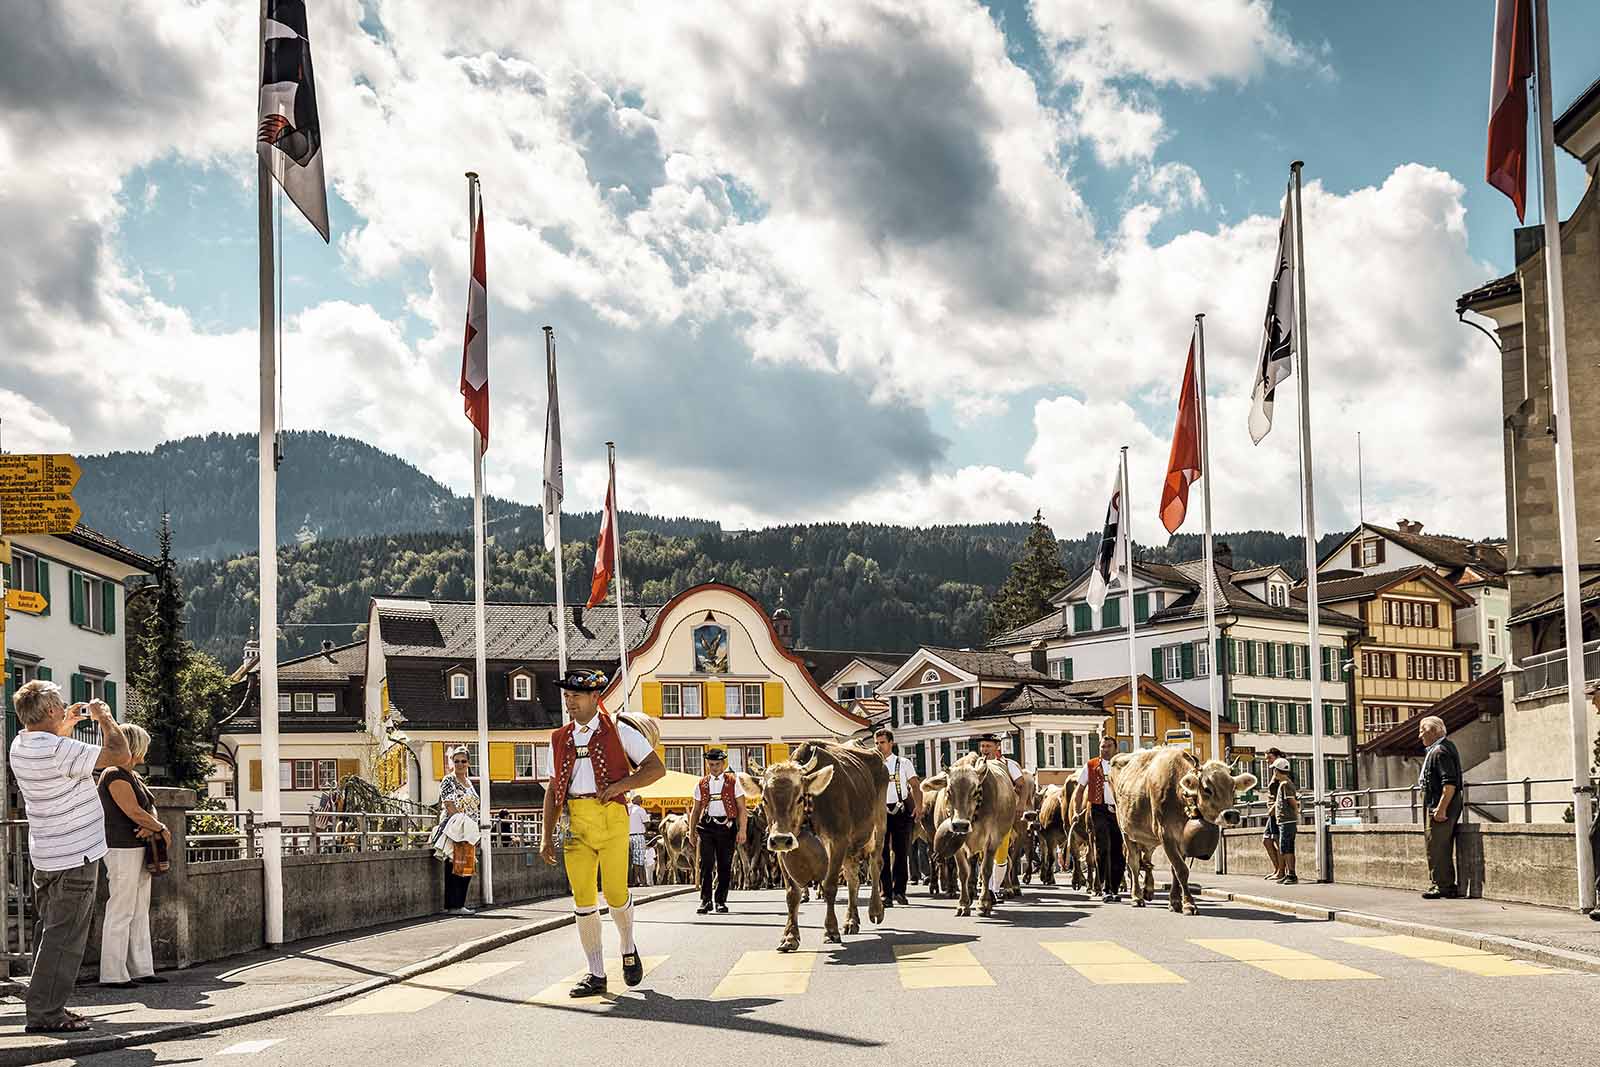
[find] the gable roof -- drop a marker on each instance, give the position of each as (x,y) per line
(1027,698)
(1483,696)
(1256,573)
(338,664)
(444,629)
(108,546)
(1494,293)
(1368,585)
(1455,553)
(1106,691)
(987,666)
(1588,593)
(826,664)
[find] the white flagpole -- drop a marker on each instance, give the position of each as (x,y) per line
(1213,654)
(1125,521)
(616,572)
(560,570)
(267,554)
(485,810)
(1313,616)
(1566,500)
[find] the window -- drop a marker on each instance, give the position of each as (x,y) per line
(327,703)
(1277,594)
(1202,659)
(303,703)
(286,774)
(1008,744)
(94,602)
(1147,722)
(305,774)
(930,677)
(671,700)
(1301,654)
(1261,658)
(1172,665)
(458,686)
(522,758)
(692,706)
(285,704)
(1082,619)
(747,758)
(1050,751)
(23,572)
(1236,664)
(521,687)
(689,759)
(1494,639)
(327,774)
(1376,718)
(1407,614)
(541,762)
(733,701)
(960,702)
(1369,553)
(1123,728)
(752,700)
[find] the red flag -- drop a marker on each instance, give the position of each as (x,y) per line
(605,552)
(475,349)
(1507,165)
(1183,466)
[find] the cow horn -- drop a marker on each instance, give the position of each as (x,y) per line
(811,761)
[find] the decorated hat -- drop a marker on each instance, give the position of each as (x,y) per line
(583,681)
(716,754)
(989,737)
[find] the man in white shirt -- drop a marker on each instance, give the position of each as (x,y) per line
(1094,778)
(712,826)
(904,800)
(54,773)
(989,749)
(638,829)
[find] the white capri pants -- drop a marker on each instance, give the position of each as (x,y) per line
(125,936)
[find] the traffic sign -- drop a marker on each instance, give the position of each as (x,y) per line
(36,493)
(1347,801)
(26,601)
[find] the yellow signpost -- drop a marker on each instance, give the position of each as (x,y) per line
(36,493)
(25,601)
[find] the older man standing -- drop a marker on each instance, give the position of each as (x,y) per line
(66,839)
(1442,802)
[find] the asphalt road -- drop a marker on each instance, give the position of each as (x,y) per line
(1055,979)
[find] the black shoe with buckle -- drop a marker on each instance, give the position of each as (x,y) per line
(704,908)
(1432,893)
(722,909)
(592,985)
(900,898)
(632,968)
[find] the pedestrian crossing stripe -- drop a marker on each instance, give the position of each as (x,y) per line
(425,990)
(1279,960)
(768,974)
(1456,957)
(1108,963)
(556,994)
(939,967)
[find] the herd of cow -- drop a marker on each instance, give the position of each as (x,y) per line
(820,817)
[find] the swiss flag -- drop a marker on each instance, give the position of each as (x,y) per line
(475,349)
(1506,167)
(605,551)
(1183,466)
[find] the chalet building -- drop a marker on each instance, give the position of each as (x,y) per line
(715,671)
(1262,652)
(1164,718)
(853,678)
(1406,659)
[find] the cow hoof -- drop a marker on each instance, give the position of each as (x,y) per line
(986,910)
(832,938)
(852,927)
(789,944)
(1138,901)
(875,913)
(1190,909)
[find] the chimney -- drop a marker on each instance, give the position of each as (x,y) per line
(1222,555)
(327,646)
(1036,657)
(1410,526)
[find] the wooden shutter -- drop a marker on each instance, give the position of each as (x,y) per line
(502,761)
(1156,665)
(255,776)
(1082,618)
(772,700)
(75,598)
(1355,553)
(1038,744)
(1067,668)
(777,753)
(1186,659)
(80,689)
(42,580)
(111,696)
(652,698)
(1111,614)
(1381,544)
(438,761)
(1250,657)
(894,711)
(1219,664)
(714,706)
(108,607)
(1141,607)
(44,673)
(348,768)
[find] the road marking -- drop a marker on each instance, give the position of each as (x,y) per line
(939,967)
(768,974)
(1108,963)
(1456,957)
(1284,962)
(245,1048)
(556,993)
(426,990)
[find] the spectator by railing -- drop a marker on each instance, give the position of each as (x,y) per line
(231,835)
(1368,803)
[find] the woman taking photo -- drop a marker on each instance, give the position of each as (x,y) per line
(125,956)
(457,796)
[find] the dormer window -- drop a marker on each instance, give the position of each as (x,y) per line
(521,687)
(1277,594)
(459,687)
(930,677)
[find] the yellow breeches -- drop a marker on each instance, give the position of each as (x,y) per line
(1003,853)
(597,844)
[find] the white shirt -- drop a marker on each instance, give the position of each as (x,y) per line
(638,819)
(1083,779)
(715,808)
(55,775)
(1012,766)
(635,744)
(899,780)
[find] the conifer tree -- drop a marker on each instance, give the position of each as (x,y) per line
(1037,576)
(176,714)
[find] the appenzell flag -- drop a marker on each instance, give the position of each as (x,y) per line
(1507,164)
(1183,465)
(475,349)
(1108,561)
(288,134)
(605,551)
(1277,335)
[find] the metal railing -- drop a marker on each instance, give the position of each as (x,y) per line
(1477,798)
(317,833)
(16,894)
(1548,670)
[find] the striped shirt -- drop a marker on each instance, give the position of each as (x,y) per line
(55,775)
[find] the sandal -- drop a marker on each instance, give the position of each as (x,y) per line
(73,1024)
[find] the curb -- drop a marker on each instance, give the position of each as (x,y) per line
(1506,946)
(86,1046)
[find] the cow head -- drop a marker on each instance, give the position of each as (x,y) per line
(963,786)
(1211,790)
(783,792)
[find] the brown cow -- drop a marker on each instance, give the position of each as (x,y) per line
(677,858)
(1052,828)
(982,807)
(826,817)
(1158,791)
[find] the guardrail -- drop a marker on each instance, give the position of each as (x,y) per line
(16,894)
(1366,802)
(315,833)
(1548,670)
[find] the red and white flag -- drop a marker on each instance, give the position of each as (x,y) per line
(1183,465)
(475,349)
(605,552)
(1506,167)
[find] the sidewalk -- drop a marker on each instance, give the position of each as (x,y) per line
(1498,926)
(263,984)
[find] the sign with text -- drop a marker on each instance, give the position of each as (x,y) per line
(36,493)
(25,601)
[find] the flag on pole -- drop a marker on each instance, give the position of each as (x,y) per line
(1507,164)
(1110,559)
(475,349)
(288,134)
(1277,340)
(605,551)
(553,487)
(1183,465)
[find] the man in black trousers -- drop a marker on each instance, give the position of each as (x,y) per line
(904,800)
(717,827)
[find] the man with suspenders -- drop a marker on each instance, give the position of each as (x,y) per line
(904,800)
(717,825)
(989,749)
(1095,779)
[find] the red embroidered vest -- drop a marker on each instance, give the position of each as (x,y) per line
(704,793)
(1097,781)
(606,755)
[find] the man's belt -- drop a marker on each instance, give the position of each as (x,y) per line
(583,796)
(897,807)
(712,820)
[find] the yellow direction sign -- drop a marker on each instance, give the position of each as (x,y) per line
(25,601)
(33,516)
(36,493)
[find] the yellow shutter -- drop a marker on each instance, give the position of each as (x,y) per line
(773,700)
(502,761)
(652,698)
(714,700)
(348,767)
(438,761)
(255,776)
(777,753)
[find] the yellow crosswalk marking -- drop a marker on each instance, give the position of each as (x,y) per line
(425,990)
(1108,963)
(1284,962)
(768,974)
(939,967)
(1456,957)
(556,993)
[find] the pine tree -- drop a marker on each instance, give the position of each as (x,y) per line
(176,717)
(1037,576)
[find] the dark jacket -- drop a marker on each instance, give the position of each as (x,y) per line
(1440,767)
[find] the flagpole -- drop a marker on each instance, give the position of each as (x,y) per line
(616,571)
(561,574)
(1313,614)
(271,825)
(1566,501)
(1213,654)
(485,810)
(1126,523)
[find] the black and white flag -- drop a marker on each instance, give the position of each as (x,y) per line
(288,136)
(1277,340)
(1110,560)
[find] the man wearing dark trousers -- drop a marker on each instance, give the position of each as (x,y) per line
(1096,778)
(1441,803)
(904,800)
(717,826)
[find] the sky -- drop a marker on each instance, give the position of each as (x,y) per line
(911,261)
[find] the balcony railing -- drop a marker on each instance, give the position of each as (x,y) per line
(215,836)
(1547,671)
(1482,801)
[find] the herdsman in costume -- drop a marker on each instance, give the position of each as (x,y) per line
(717,823)
(989,749)
(904,801)
(598,760)
(1095,779)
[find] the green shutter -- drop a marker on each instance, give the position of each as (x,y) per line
(1186,657)
(45,675)
(108,604)
(1082,618)
(1067,669)
(1270,668)
(75,591)
(1111,614)
(11,712)
(1156,665)
(922,760)
(894,711)
(1327,720)
(1250,658)
(1141,607)
(945,754)
(42,576)
(916,709)
(944,705)
(80,689)
(1219,662)
(1038,745)
(111,696)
